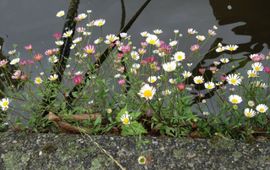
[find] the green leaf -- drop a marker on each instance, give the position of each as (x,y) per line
(134,128)
(135,115)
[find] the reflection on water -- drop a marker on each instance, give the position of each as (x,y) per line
(254,15)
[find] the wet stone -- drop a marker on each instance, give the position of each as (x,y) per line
(66,151)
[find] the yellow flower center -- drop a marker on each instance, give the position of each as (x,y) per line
(261,109)
(249,114)
(234,101)
(5,104)
(180,57)
(233,81)
(257,68)
(125,121)
(152,42)
(147,93)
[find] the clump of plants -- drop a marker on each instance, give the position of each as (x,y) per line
(108,84)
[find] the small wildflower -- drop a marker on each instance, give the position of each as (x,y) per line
(200,37)
(152,79)
(186,74)
(89,49)
(142,160)
(60,14)
(251,103)
(198,79)
(81,17)
(99,22)
(209,85)
(125,118)
(111,38)
(135,55)
(257,66)
(67,34)
(4,103)
(252,73)
(179,56)
(249,113)
(12,52)
(144,34)
(234,79)
(53,59)
(28,47)
(158,31)
(173,43)
(231,47)
(170,66)
(53,77)
(195,47)
(192,31)
(224,60)
(181,86)
(38,80)
(262,108)
(59,42)
(147,92)
(15,61)
(109,110)
(152,39)
(235,99)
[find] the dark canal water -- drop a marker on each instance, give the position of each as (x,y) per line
(242,21)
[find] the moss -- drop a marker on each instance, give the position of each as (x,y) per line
(15,160)
(101,162)
(236,155)
(179,153)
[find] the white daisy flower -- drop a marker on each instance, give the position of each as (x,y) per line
(4,103)
(38,80)
(179,56)
(125,118)
(135,55)
(157,31)
(60,14)
(257,66)
(198,79)
(152,79)
(192,31)
(144,34)
(59,43)
(252,73)
(152,39)
(77,40)
(111,38)
(224,60)
(262,108)
(53,77)
(99,22)
(173,43)
(170,66)
(209,85)
(234,79)
(186,74)
(14,61)
(235,99)
(231,47)
(200,37)
(147,92)
(249,113)
(67,34)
